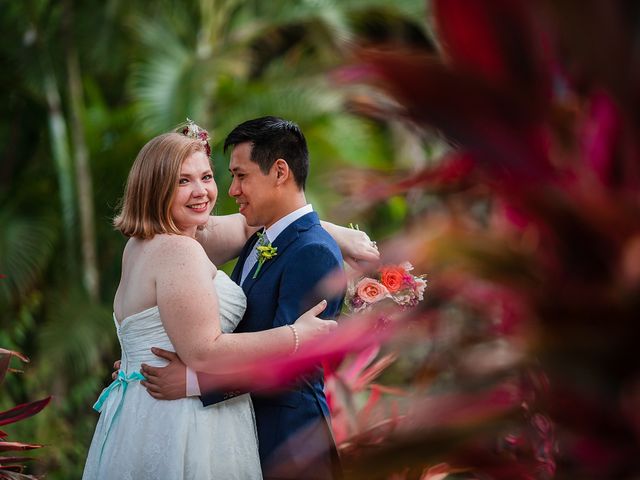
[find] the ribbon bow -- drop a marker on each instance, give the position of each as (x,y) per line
(121,381)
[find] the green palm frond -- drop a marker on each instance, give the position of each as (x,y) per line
(299,101)
(162,87)
(26,246)
(76,334)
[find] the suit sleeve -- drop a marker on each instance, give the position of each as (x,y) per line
(302,284)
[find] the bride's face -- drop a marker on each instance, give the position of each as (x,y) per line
(195,194)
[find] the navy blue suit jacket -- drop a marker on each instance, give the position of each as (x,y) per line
(284,289)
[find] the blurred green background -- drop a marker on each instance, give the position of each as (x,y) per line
(84,85)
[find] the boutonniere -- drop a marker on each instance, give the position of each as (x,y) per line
(264,251)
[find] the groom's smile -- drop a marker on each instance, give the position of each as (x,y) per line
(241,206)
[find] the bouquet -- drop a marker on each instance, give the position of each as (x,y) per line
(390,282)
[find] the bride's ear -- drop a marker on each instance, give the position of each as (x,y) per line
(282,171)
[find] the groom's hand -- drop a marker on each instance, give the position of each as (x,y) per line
(116,369)
(165,383)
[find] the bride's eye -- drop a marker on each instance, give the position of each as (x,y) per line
(208,177)
(183,181)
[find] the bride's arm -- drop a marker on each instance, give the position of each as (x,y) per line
(224,236)
(189,310)
(357,248)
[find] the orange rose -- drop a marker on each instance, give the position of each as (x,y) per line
(392,277)
(371,291)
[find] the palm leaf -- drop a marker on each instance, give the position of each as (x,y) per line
(26,246)
(76,334)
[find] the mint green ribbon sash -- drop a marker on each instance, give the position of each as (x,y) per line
(121,382)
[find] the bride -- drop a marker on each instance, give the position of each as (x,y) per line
(171,296)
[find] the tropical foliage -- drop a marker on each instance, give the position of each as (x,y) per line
(493,144)
(11,467)
(85,84)
(520,363)
(533,252)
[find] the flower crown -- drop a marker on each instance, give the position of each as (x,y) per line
(192,130)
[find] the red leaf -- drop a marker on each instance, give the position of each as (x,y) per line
(12,468)
(5,460)
(497,40)
(23,411)
(371,373)
(455,167)
(373,400)
(356,334)
(22,357)
(4,366)
(9,446)
(600,136)
(353,369)
(501,128)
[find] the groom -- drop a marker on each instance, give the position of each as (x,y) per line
(269,164)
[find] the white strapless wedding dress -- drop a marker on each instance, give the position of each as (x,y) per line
(140,438)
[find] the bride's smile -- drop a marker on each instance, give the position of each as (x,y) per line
(195,194)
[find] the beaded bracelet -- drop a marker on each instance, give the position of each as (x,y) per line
(296,339)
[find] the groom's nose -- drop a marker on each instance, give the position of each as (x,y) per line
(234,189)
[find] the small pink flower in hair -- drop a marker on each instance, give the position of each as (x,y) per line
(192,130)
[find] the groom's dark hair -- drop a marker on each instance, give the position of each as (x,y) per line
(272,138)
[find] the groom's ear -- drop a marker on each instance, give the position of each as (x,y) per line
(282,171)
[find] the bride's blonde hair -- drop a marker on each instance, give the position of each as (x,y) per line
(153,178)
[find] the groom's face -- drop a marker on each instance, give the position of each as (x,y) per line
(253,190)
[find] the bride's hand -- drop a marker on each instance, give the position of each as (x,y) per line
(310,326)
(358,250)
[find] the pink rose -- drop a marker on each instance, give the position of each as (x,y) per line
(371,291)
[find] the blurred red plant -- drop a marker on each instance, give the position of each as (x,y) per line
(11,467)
(541,101)
(521,363)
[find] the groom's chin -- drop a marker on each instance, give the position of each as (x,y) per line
(252,222)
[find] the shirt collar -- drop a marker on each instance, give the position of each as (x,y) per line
(278,227)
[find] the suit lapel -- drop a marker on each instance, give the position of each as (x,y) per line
(286,238)
(236,275)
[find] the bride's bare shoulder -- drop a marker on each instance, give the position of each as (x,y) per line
(177,248)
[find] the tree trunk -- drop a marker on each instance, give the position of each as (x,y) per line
(82,169)
(62,159)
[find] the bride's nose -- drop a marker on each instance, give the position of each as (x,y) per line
(199,190)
